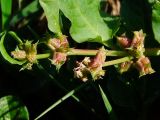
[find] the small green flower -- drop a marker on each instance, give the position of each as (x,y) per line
(26,51)
(31,51)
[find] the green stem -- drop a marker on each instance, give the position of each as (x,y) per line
(43,56)
(87,52)
(117,61)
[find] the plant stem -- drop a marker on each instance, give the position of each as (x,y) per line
(43,56)
(117,61)
(87,52)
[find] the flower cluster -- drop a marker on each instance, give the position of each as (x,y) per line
(92,67)
(59,46)
(135,48)
(27,52)
(89,67)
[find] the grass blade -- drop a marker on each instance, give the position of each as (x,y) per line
(107,105)
(6,7)
(69,94)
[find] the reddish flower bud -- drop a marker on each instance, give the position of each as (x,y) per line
(96,64)
(124,42)
(59,45)
(59,59)
(91,66)
(138,39)
(99,59)
(54,43)
(144,66)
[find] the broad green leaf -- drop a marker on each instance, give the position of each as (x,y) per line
(86,22)
(51,9)
(5,55)
(6,7)
(28,10)
(156,20)
(12,109)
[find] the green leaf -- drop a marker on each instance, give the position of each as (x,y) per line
(52,14)
(107,104)
(86,22)
(28,10)
(12,109)
(106,101)
(156,20)
(6,7)
(5,55)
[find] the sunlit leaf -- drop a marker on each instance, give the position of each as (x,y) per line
(156,20)
(52,14)
(12,109)
(6,7)
(86,22)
